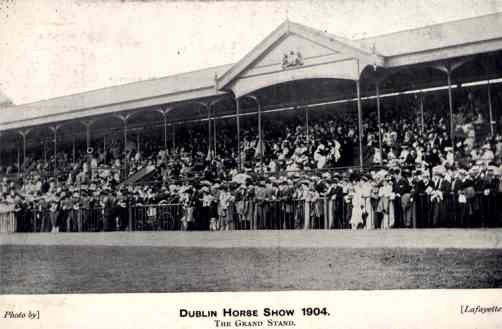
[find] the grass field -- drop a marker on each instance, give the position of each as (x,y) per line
(79,264)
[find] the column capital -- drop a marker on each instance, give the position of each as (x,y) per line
(55,128)
(124,117)
(24,132)
(88,123)
(204,105)
(216,101)
(164,110)
(449,66)
(253,97)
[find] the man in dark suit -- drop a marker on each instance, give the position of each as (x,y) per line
(402,189)
(337,195)
(285,195)
(467,197)
(488,190)
(107,202)
(475,198)
(422,183)
(457,186)
(441,190)
(20,213)
(261,205)
(121,209)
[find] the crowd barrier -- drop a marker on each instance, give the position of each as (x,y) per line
(166,217)
(8,223)
(408,211)
(453,210)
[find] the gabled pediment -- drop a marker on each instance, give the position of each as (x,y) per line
(294,47)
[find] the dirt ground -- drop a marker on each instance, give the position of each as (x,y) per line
(249,261)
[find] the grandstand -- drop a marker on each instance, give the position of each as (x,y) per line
(308,130)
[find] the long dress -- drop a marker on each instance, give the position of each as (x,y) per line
(53,215)
(356,219)
(331,197)
(239,208)
(249,208)
(386,206)
(367,208)
(306,209)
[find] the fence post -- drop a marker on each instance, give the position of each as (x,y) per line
(325,212)
(129,215)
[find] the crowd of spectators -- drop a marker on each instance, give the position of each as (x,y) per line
(420,178)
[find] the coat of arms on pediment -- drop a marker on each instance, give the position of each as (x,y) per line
(292,59)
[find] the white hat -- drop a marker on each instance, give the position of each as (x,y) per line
(438,170)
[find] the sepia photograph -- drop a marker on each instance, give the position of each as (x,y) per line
(249,146)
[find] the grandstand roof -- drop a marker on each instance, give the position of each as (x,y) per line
(437,36)
(175,88)
(446,40)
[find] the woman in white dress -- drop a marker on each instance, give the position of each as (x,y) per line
(356,220)
(386,203)
(368,215)
(306,197)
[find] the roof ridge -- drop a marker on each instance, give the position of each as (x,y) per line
(317,30)
(122,84)
(349,42)
(284,27)
(428,26)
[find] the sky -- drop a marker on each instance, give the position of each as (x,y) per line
(51,48)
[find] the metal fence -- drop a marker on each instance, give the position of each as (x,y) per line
(8,223)
(132,218)
(455,210)
(164,217)
(410,211)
